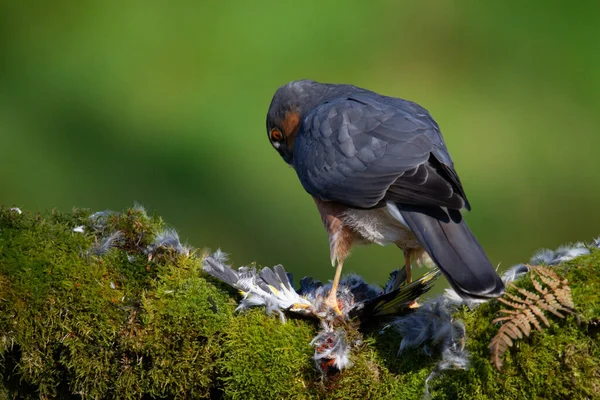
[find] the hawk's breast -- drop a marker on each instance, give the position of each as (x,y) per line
(379,226)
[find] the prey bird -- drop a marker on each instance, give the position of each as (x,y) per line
(379,172)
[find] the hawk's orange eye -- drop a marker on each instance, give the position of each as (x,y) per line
(276,135)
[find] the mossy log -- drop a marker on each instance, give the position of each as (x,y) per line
(137,322)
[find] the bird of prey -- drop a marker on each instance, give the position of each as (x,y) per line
(379,172)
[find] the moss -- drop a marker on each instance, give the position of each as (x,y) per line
(373,376)
(263,358)
(560,362)
(111,326)
(126,325)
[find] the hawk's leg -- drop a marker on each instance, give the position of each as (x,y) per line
(332,298)
(407,266)
(341,238)
(399,278)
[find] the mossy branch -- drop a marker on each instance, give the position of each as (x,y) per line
(82,316)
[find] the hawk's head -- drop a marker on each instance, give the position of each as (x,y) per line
(286,111)
(290,105)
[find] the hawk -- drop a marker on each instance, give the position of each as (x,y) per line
(379,172)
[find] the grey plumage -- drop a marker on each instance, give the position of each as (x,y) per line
(448,240)
(270,288)
(216,265)
(308,285)
(358,149)
(514,273)
(432,327)
(429,326)
(562,254)
(352,283)
(361,290)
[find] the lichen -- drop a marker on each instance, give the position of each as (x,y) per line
(133,323)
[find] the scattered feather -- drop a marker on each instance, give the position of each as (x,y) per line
(272,288)
(562,254)
(106,243)
(451,359)
(268,287)
(17,210)
(79,229)
(515,272)
(432,327)
(428,326)
(167,239)
(331,351)
(454,298)
(99,219)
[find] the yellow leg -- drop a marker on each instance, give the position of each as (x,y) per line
(332,298)
(407,267)
(397,283)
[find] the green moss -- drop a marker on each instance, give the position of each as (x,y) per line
(373,375)
(560,362)
(110,326)
(263,358)
(126,325)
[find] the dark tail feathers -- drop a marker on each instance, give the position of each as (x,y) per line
(450,243)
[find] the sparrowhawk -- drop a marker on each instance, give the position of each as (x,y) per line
(379,172)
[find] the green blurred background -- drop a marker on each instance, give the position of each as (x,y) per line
(106,103)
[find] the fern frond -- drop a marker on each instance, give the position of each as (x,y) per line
(509,312)
(513,304)
(538,287)
(513,297)
(540,314)
(526,309)
(528,294)
(523,323)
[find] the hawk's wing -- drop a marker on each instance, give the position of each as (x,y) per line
(365,149)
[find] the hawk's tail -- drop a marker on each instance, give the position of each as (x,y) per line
(450,243)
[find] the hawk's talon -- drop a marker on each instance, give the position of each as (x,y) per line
(414,305)
(332,303)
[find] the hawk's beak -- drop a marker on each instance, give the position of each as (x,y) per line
(288,157)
